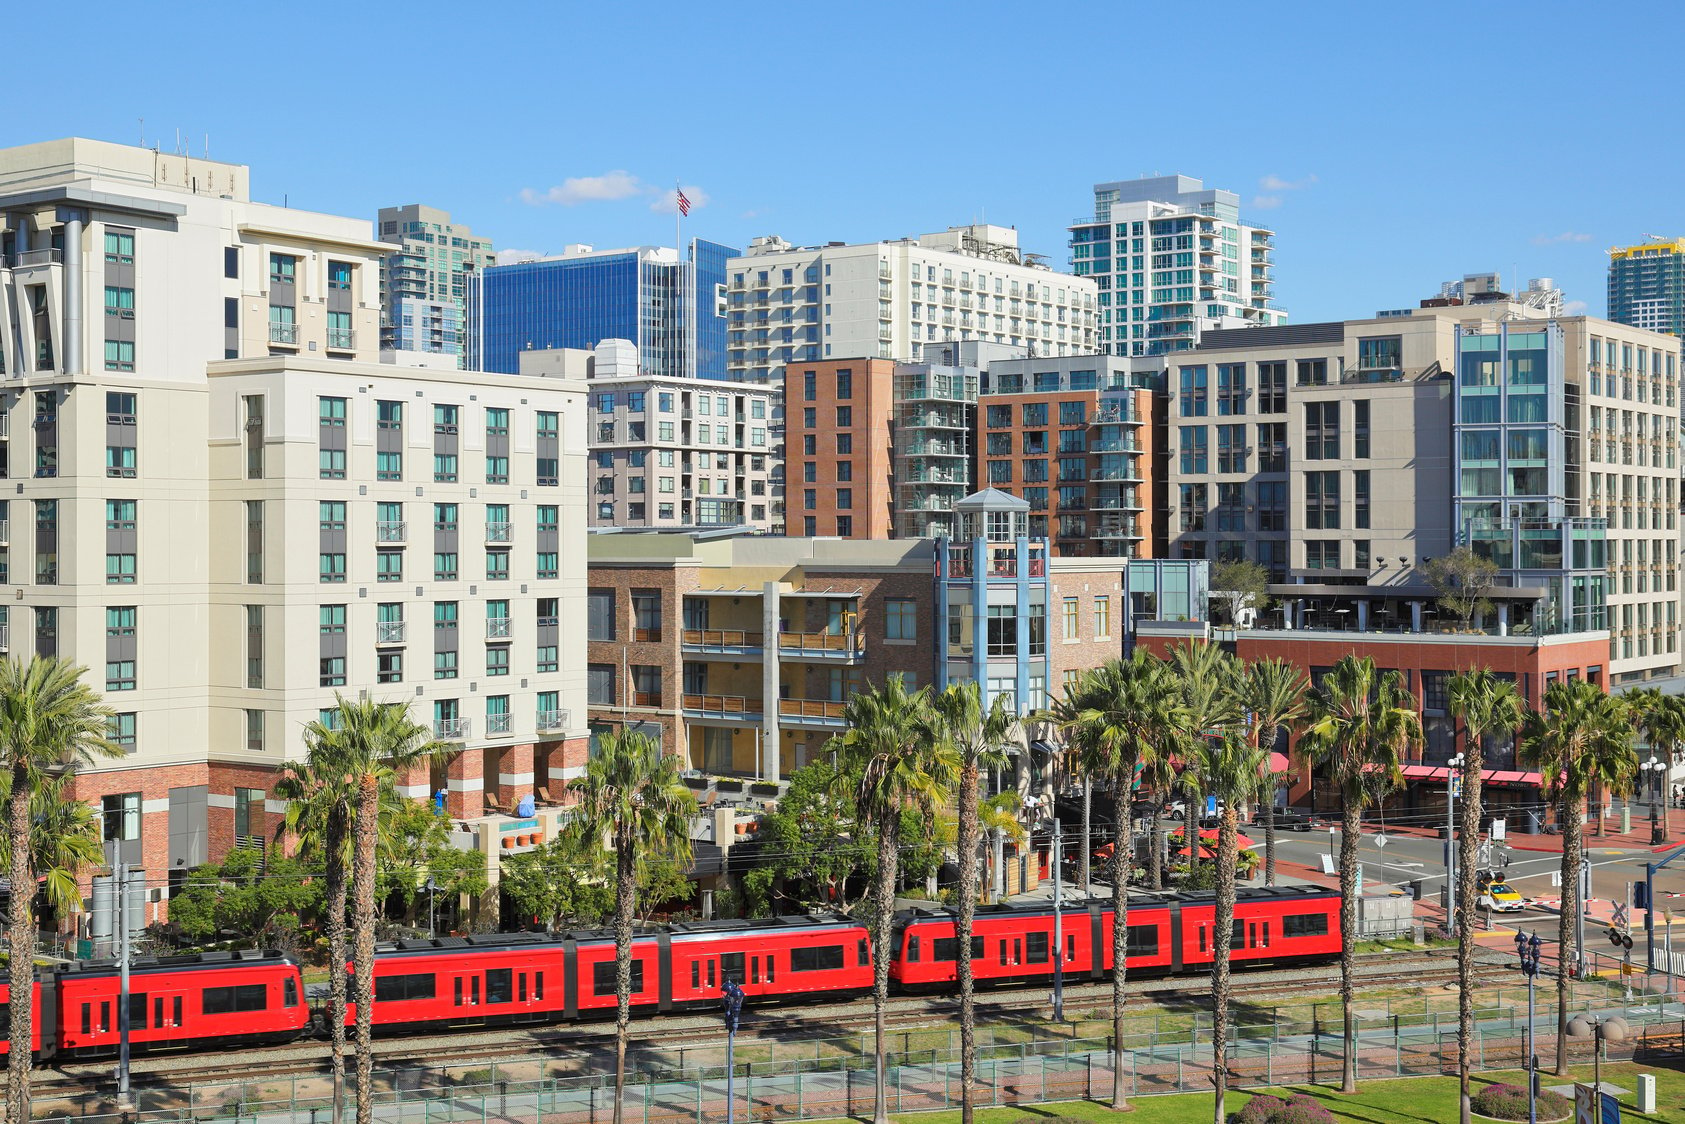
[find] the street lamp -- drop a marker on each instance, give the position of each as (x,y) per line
(732,1001)
(120,897)
(1058,908)
(1610,1029)
(1527,948)
(1453,782)
(1653,772)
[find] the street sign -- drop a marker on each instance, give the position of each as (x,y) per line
(1211,805)
(1498,831)
(1484,854)
(1456,786)
(1556,878)
(1381,840)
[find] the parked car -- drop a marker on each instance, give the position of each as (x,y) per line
(1287,819)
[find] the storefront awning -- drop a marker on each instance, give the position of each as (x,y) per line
(1487,776)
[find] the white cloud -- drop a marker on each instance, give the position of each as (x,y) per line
(1574,308)
(665,204)
(587,189)
(509,257)
(1265,202)
(1276,183)
(1565,236)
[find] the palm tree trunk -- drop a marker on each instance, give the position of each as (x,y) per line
(1468,837)
(967,842)
(334,892)
(1155,845)
(1121,862)
(1350,825)
(1269,836)
(1572,832)
(1221,945)
(625,900)
(20,945)
(1087,847)
(884,910)
(363,875)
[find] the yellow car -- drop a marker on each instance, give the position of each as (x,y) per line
(1501,897)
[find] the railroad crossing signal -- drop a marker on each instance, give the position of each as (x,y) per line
(1619,919)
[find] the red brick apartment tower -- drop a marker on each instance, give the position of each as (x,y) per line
(838,417)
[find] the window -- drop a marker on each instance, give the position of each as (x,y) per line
(1102,618)
(1322,501)
(389,667)
(1272,388)
(548,564)
(121,730)
(1360,429)
(497,565)
(497,659)
(238,999)
(1003,630)
(248,811)
(497,470)
(1305,925)
(900,619)
(1192,399)
(1068,610)
(389,989)
(389,565)
(120,354)
(599,614)
(444,565)
(254,646)
(444,468)
(119,642)
(823,959)
(120,247)
(254,730)
(599,684)
(1193,448)
(1322,554)
(603,977)
(1360,498)
(1322,431)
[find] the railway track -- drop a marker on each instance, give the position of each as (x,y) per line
(585,1042)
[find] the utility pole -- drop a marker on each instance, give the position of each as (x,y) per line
(1058,923)
(1453,787)
(122,872)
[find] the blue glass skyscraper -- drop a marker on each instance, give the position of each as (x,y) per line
(673,312)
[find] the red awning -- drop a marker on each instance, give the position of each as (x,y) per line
(1487,776)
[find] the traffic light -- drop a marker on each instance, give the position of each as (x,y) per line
(1640,896)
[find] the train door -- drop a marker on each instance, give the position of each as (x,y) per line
(164,1015)
(465,990)
(96,1019)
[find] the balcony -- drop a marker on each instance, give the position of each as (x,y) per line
(389,632)
(341,339)
(499,725)
(499,531)
(721,706)
(1115,529)
(728,641)
(452,729)
(284,334)
(823,646)
(811,712)
(646,698)
(388,530)
(553,720)
(499,628)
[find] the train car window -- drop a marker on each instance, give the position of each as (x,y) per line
(696,975)
(538,985)
(913,950)
(419,985)
(1017,952)
(175,1015)
(770,960)
(1305,925)
(711,974)
(1201,929)
(236,999)
(754,969)
(865,960)
(1037,947)
(457,990)
(1070,947)
(137,1010)
(1237,935)
(731,967)
(474,990)
(158,1012)
(521,987)
(289,992)
(1142,940)
(602,977)
(500,985)
(1003,952)
(105,1016)
(945,947)
(1266,934)
(87,1019)
(821,959)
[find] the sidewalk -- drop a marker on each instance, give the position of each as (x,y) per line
(1637,838)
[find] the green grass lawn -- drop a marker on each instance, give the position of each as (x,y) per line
(1408,1100)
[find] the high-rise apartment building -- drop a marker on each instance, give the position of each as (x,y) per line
(1344,456)
(1077,437)
(1647,286)
(671,309)
(671,453)
(1172,258)
(791,305)
(839,417)
(424,282)
(232,512)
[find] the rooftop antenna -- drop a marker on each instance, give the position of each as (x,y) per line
(142,121)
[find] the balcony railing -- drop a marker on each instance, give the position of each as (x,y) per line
(341,339)
(388,530)
(811,708)
(452,729)
(721,638)
(646,698)
(554,719)
(283,333)
(822,642)
(499,531)
(497,724)
(499,628)
(722,704)
(389,632)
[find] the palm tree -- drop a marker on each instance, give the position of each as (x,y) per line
(977,736)
(64,840)
(1361,723)
(1159,775)
(631,802)
(1231,768)
(1581,739)
(50,721)
(371,741)
(319,792)
(1662,718)
(1209,679)
(1134,712)
(1487,706)
(1272,691)
(1000,816)
(895,747)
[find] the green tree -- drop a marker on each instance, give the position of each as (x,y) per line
(817,842)
(1581,740)
(900,761)
(1133,712)
(1461,580)
(1272,692)
(979,736)
(374,742)
(1487,706)
(1209,679)
(1157,775)
(1238,585)
(1361,723)
(414,846)
(50,721)
(64,841)
(1662,719)
(633,810)
(264,900)
(562,883)
(1232,769)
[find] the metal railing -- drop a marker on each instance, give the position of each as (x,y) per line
(341,339)
(499,531)
(388,530)
(283,333)
(811,708)
(389,632)
(499,628)
(554,719)
(822,642)
(452,729)
(499,724)
(721,638)
(722,704)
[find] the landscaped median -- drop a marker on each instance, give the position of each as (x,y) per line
(1407,1100)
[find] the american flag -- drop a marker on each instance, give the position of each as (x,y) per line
(684,203)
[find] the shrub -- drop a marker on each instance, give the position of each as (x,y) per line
(1509,1102)
(1297,1109)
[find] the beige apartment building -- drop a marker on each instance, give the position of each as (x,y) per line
(229,510)
(1343,456)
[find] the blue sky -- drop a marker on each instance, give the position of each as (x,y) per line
(1390,146)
